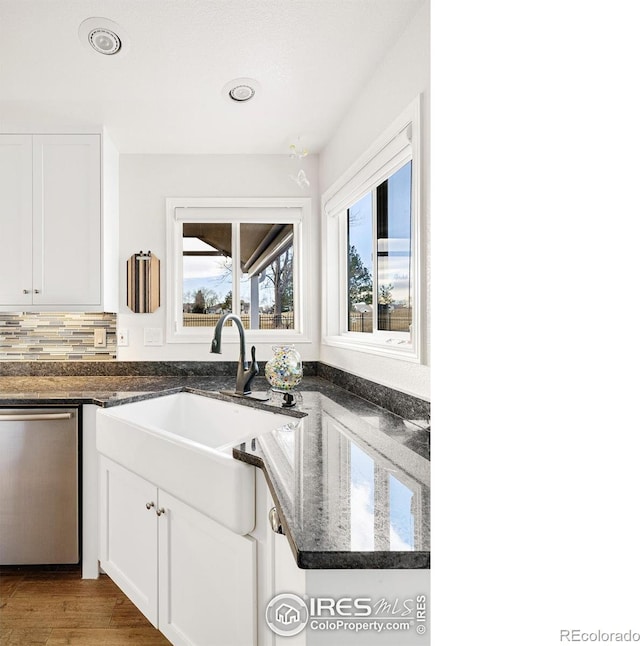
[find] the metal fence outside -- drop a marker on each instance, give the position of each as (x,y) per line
(390,320)
(283,321)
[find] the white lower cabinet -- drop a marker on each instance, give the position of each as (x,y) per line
(129,535)
(278,572)
(206,579)
(386,591)
(192,578)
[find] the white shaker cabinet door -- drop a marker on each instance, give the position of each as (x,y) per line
(207,579)
(288,578)
(15,219)
(66,220)
(129,535)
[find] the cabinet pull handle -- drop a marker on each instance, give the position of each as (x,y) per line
(32,417)
(160,511)
(149,505)
(274,521)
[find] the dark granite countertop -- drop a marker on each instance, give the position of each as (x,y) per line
(102,391)
(350,488)
(350,479)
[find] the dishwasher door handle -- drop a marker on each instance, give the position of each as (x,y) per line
(32,417)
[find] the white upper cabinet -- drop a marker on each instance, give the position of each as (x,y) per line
(66,220)
(52,224)
(16,220)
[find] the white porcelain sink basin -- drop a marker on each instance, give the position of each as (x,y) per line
(182,443)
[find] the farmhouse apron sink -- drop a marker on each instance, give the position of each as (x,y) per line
(182,443)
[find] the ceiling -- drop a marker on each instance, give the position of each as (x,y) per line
(164,92)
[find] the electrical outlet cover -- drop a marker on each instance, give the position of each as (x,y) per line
(123,336)
(153,335)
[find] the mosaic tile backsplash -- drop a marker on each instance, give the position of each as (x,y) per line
(56,336)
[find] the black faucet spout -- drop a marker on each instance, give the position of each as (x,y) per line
(246,371)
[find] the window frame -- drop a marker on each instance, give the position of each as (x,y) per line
(398,144)
(238,211)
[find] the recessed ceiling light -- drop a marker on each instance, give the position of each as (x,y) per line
(241,90)
(105,41)
(103,36)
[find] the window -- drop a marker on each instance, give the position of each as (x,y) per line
(379,257)
(372,251)
(228,257)
(265,265)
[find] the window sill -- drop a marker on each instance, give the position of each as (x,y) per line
(408,353)
(251,337)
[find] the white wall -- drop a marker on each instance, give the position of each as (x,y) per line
(401,76)
(147,180)
(110,221)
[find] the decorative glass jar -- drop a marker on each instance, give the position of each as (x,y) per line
(284,370)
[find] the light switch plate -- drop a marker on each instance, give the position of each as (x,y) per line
(100,338)
(123,336)
(153,335)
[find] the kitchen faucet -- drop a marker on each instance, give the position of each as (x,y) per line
(246,371)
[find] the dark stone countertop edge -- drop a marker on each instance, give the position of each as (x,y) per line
(97,399)
(105,401)
(336,560)
(364,560)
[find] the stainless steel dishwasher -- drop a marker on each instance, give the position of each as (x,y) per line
(39,486)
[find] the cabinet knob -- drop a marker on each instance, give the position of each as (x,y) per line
(160,511)
(36,291)
(274,520)
(25,291)
(150,504)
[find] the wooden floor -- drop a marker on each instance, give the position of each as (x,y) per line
(52,607)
